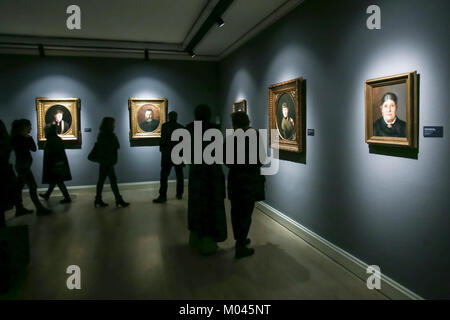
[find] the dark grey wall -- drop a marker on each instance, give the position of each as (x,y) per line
(104,86)
(386,210)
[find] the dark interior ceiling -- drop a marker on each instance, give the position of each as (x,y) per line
(136,28)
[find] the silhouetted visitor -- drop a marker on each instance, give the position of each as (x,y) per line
(9,188)
(206,209)
(166,146)
(23,144)
(56,168)
(5,151)
(6,201)
(105,153)
(245,186)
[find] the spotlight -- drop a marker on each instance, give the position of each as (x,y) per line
(220,22)
(192,54)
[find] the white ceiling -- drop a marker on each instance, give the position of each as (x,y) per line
(240,17)
(167,21)
(160,22)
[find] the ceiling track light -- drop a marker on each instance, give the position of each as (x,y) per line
(192,54)
(220,22)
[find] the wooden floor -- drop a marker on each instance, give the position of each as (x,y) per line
(141,252)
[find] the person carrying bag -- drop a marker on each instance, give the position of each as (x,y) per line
(105,153)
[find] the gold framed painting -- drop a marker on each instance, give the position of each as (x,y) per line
(64,113)
(391,110)
(286,114)
(146,117)
(240,105)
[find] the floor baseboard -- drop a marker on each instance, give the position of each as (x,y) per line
(150,184)
(389,287)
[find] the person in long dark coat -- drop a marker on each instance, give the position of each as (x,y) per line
(206,194)
(108,144)
(166,145)
(56,168)
(5,151)
(23,144)
(9,187)
(6,202)
(245,186)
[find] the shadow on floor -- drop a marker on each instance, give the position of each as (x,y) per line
(188,273)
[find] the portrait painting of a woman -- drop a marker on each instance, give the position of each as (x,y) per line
(389,125)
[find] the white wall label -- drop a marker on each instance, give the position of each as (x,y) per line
(374,20)
(74,20)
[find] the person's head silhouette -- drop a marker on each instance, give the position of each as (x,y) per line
(202,113)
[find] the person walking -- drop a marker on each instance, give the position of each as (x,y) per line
(56,168)
(105,153)
(23,144)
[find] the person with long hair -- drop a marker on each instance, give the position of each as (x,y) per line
(206,193)
(106,155)
(23,144)
(56,168)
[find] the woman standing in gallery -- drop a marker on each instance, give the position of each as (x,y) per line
(56,168)
(105,153)
(206,208)
(23,144)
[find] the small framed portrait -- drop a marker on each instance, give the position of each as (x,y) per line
(391,110)
(286,114)
(64,113)
(240,105)
(146,117)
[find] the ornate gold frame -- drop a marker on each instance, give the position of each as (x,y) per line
(136,133)
(72,104)
(295,88)
(243,101)
(412,119)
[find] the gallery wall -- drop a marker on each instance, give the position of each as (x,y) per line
(104,87)
(387,208)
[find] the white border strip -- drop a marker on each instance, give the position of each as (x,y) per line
(389,287)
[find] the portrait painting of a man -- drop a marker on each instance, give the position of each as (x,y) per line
(64,113)
(149,123)
(240,106)
(286,110)
(287,123)
(146,117)
(59,116)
